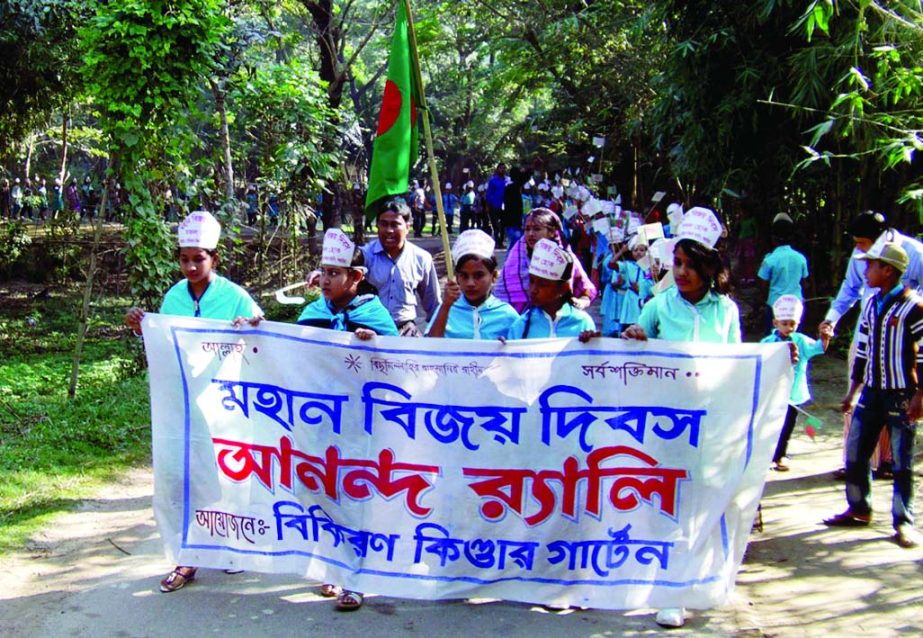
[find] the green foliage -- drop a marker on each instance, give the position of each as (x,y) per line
(150,249)
(283,108)
(39,60)
(872,62)
(53,451)
(14,238)
(143,59)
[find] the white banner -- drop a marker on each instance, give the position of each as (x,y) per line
(611,474)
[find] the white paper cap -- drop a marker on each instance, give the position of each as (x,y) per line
(543,187)
(549,261)
(469,184)
(557,191)
(199,230)
(448,186)
(473,242)
(700,224)
(338,249)
(787,308)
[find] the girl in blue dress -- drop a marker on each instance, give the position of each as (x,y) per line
(469,310)
(550,313)
(201,293)
(634,283)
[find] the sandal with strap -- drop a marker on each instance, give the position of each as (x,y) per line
(329,591)
(177,579)
(349,600)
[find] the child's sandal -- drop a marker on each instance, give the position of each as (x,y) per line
(177,579)
(349,600)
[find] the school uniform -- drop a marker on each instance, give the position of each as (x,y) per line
(364,311)
(611,304)
(491,320)
(535,323)
(630,308)
(222,299)
(808,348)
(714,319)
(784,269)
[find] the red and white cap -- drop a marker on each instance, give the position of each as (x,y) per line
(473,242)
(787,308)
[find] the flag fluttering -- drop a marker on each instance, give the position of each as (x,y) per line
(395,148)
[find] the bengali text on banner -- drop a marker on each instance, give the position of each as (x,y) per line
(611,474)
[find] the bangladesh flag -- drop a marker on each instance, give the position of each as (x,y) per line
(395,147)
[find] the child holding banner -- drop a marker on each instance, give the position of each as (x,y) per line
(346,305)
(550,313)
(786,313)
(697,308)
(348,302)
(203,293)
(469,310)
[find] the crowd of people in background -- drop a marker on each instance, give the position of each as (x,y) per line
(38,200)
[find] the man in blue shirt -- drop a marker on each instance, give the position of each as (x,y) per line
(495,189)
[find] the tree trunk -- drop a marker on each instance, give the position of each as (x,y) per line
(30,146)
(87,293)
(63,173)
(218,92)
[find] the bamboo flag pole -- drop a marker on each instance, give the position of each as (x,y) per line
(428,139)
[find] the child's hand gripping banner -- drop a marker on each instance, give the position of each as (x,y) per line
(611,474)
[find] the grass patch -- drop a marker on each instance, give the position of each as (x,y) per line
(55,451)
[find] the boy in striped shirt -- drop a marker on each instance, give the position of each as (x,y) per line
(889,371)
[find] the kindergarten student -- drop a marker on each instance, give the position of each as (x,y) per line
(347,302)
(469,310)
(611,304)
(697,308)
(550,313)
(344,307)
(633,281)
(206,294)
(786,316)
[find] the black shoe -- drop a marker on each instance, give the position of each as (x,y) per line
(883,474)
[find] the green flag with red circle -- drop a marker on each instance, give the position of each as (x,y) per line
(395,148)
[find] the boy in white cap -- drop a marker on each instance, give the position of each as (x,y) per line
(202,293)
(347,301)
(888,370)
(346,305)
(786,313)
(550,313)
